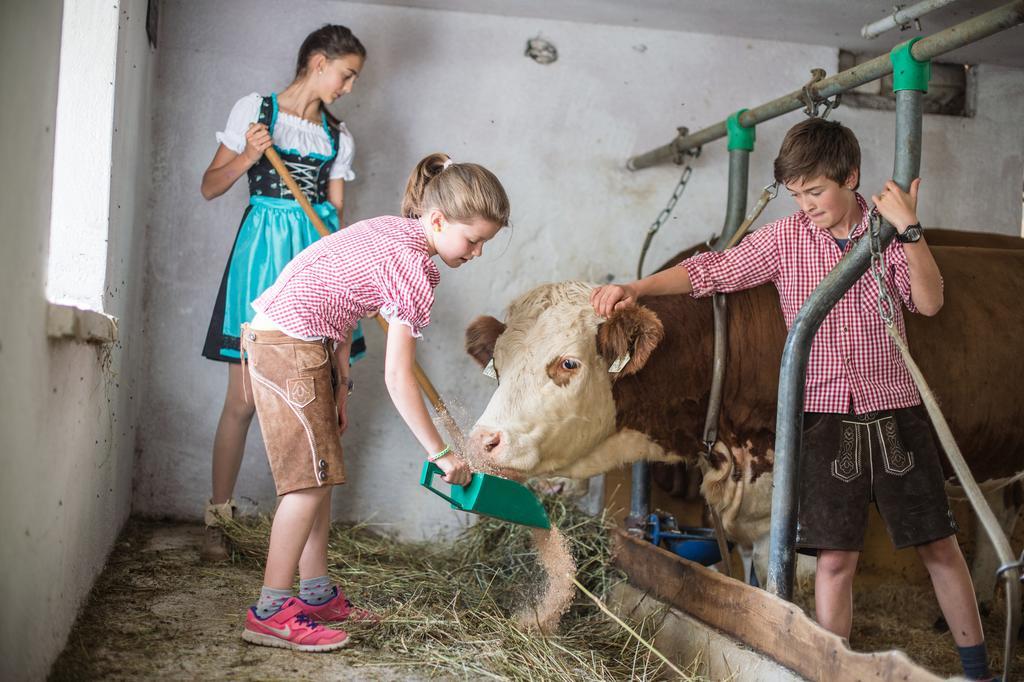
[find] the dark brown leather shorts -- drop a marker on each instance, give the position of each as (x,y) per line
(293,388)
(889,458)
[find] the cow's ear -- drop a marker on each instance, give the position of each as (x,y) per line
(636,331)
(481,335)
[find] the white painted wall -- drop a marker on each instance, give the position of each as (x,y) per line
(557,136)
(67,410)
(76,269)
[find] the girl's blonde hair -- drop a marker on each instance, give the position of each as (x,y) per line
(461,191)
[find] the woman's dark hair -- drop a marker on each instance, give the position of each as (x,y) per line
(332,41)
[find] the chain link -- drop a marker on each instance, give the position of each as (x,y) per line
(665,214)
(885,305)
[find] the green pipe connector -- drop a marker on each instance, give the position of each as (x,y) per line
(907,72)
(739,136)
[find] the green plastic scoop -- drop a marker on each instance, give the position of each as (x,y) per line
(491,496)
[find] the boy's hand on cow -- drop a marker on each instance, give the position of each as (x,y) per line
(612,297)
(455,469)
(897,206)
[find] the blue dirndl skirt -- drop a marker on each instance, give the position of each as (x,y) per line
(273,231)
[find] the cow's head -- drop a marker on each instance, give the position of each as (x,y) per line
(551,358)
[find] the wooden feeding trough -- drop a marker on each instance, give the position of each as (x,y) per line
(740,632)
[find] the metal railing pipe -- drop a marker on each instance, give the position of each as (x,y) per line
(789,419)
(736,203)
(901,17)
(928,48)
(639,497)
(735,211)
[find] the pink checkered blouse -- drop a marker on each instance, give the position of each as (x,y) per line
(376,264)
(853,364)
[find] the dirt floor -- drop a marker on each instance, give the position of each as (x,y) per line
(458,610)
(156,612)
(193,620)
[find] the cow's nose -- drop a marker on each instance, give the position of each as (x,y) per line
(491,441)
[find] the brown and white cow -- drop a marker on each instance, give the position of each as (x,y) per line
(557,410)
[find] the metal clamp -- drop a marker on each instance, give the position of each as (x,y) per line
(812,102)
(1012,566)
(904,25)
(679,156)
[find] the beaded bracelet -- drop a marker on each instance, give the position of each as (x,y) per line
(434,458)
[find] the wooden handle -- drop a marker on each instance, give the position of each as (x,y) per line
(421,377)
(300,196)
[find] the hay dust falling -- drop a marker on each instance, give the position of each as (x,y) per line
(553,552)
(456,421)
(559,590)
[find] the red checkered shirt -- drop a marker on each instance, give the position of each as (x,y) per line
(853,363)
(376,264)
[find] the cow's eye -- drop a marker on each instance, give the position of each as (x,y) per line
(569,363)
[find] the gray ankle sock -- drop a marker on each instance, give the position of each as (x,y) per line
(975,661)
(316,590)
(271,601)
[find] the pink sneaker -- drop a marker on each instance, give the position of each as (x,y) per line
(290,628)
(338,609)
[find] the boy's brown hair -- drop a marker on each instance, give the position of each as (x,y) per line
(818,147)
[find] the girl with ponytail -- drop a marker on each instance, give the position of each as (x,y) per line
(296,350)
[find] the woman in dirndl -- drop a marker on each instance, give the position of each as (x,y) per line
(317,150)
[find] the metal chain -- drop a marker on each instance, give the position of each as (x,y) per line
(665,214)
(886,309)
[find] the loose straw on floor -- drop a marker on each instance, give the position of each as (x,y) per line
(630,630)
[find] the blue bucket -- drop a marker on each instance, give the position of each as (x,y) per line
(696,544)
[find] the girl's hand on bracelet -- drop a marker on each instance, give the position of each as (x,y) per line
(456,471)
(257,141)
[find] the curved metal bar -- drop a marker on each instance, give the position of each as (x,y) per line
(739,171)
(736,203)
(954,37)
(736,206)
(789,419)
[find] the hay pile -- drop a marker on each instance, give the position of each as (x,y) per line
(897,615)
(450,608)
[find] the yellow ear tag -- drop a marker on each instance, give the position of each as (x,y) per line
(619,363)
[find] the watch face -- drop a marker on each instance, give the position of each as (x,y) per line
(911,234)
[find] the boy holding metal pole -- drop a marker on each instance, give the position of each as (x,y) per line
(866,435)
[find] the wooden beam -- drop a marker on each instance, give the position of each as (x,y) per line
(760,620)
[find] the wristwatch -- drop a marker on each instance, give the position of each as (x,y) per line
(912,234)
(349,384)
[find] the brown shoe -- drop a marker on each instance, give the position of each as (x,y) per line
(215,544)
